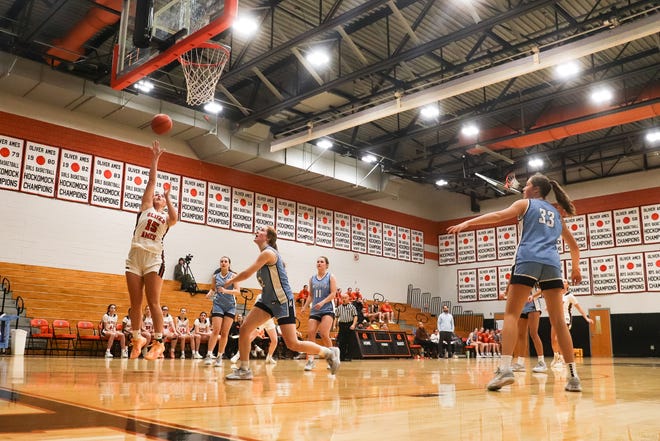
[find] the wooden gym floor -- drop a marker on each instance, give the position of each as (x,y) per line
(47,398)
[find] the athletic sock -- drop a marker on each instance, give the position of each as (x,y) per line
(505,362)
(136,334)
(572,369)
(521,361)
(245,365)
(540,357)
(325,352)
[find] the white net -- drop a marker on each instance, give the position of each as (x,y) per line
(512,183)
(202,66)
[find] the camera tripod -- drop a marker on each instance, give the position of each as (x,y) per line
(189,277)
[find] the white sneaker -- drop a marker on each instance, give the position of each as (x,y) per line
(270,360)
(254,353)
(573,385)
(235,358)
(108,354)
(183,356)
(310,364)
(208,361)
(334,360)
(218,362)
(197,356)
(501,379)
(124,353)
(240,374)
(517,367)
(540,367)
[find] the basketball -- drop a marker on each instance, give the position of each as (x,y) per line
(161,124)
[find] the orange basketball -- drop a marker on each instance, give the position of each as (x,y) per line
(161,124)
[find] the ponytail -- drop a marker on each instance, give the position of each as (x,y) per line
(545,185)
(271,234)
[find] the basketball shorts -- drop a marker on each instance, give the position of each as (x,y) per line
(143,262)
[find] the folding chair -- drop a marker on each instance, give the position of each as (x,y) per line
(87,334)
(62,332)
(40,331)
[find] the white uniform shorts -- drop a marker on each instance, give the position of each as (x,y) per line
(142,262)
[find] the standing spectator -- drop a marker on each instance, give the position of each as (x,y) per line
(345,321)
(446,328)
(302,296)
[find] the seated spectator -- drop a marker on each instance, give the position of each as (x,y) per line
(374,312)
(422,339)
(184,335)
(202,330)
(109,332)
(386,312)
(349,293)
(169,330)
(356,293)
(435,337)
(147,324)
(179,270)
(302,295)
(127,329)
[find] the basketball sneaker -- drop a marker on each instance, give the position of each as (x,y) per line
(240,374)
(334,360)
(270,360)
(573,385)
(540,367)
(208,361)
(517,367)
(310,364)
(108,354)
(502,378)
(138,344)
(124,353)
(218,362)
(156,351)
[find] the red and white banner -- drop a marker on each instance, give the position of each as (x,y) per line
(631,272)
(601,230)
(305,223)
(465,242)
(286,219)
(651,223)
(577,225)
(342,231)
(11,157)
(193,201)
(40,169)
(486,244)
(74,176)
(507,241)
(389,241)
(487,283)
(627,227)
(218,205)
(135,181)
(374,238)
(403,243)
(264,211)
(652,259)
(446,249)
(324,230)
(417,246)
(603,270)
(467,285)
(172,182)
(108,176)
(358,234)
(242,210)
(584,288)
(503,277)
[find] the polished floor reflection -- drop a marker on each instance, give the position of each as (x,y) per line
(46,398)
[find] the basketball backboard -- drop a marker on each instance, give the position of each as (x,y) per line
(154,33)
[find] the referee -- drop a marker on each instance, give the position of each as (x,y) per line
(346,319)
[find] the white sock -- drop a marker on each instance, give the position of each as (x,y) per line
(572,369)
(520,361)
(540,357)
(505,362)
(325,352)
(245,365)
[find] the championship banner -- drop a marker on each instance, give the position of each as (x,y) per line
(467,285)
(603,270)
(218,205)
(40,169)
(601,230)
(135,181)
(446,249)
(631,272)
(467,251)
(417,246)
(11,157)
(358,234)
(577,225)
(193,201)
(374,237)
(172,182)
(242,210)
(403,243)
(324,230)
(107,183)
(264,210)
(486,244)
(651,223)
(560,245)
(305,223)
(342,231)
(584,288)
(74,176)
(627,228)
(652,259)
(286,219)
(389,241)
(503,277)
(507,241)
(487,283)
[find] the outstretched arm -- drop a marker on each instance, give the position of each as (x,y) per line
(148,195)
(517,209)
(265,257)
(584,314)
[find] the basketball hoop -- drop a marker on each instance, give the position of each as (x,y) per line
(511,183)
(202,67)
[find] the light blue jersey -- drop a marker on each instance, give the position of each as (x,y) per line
(224,304)
(320,289)
(275,288)
(541,227)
